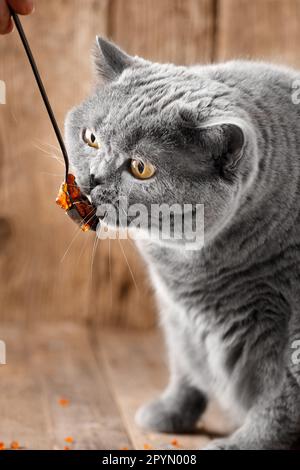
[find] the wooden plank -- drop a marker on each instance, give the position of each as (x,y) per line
(177,31)
(37,284)
(23,415)
(47,262)
(169,30)
(264,29)
(137,372)
(184,36)
(57,362)
(34,281)
(68,367)
(120,289)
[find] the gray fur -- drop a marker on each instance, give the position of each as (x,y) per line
(228,136)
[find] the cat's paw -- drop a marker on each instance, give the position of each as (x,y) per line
(159,416)
(220,444)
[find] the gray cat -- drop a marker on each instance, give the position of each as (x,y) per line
(226,136)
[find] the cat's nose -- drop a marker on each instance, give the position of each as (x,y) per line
(94,180)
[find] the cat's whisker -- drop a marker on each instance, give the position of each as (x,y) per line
(110,274)
(61,162)
(131,241)
(49,155)
(95,245)
(88,218)
(128,238)
(78,230)
(130,189)
(48,152)
(49,145)
(84,245)
(127,262)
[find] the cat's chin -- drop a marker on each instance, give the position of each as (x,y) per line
(107,230)
(147,237)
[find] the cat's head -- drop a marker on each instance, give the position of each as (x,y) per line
(158,134)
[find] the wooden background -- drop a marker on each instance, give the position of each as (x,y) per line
(50,270)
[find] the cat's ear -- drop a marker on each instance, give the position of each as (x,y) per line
(226,142)
(110,61)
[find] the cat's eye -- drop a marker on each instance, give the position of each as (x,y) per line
(141,170)
(90,139)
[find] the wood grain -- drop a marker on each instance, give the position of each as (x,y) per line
(137,373)
(23,415)
(177,31)
(168,30)
(48,269)
(64,361)
(261,29)
(46,262)
(35,282)
(45,364)
(104,376)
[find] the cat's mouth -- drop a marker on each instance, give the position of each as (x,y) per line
(77,205)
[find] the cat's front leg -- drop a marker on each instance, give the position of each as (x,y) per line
(177,410)
(179,407)
(272,424)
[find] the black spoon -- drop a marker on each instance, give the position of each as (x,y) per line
(70,198)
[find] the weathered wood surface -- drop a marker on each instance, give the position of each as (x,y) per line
(44,365)
(104,377)
(264,29)
(137,373)
(34,234)
(177,31)
(38,280)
